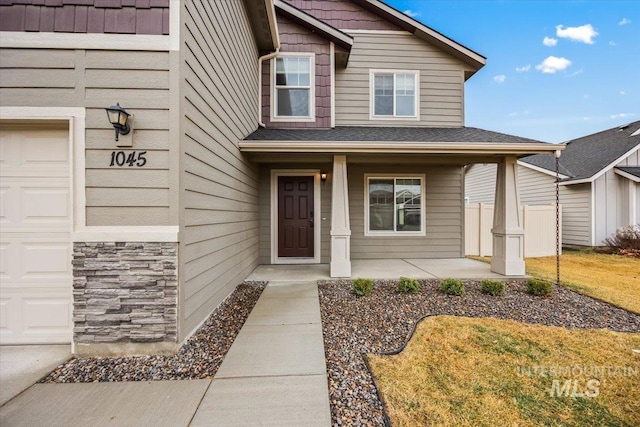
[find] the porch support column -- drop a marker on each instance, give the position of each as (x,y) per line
(340,229)
(508,231)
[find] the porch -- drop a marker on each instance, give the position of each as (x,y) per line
(457,268)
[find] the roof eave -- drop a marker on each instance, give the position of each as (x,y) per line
(396,147)
(627,175)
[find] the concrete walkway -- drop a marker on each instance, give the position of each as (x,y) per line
(274,374)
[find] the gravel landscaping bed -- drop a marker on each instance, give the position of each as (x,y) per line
(382,322)
(199,358)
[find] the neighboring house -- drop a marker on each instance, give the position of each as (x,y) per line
(264,132)
(599,184)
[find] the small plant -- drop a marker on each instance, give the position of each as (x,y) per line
(492,287)
(626,241)
(362,287)
(452,287)
(539,287)
(408,286)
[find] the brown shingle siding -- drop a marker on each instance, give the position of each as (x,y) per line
(343,14)
(32,18)
(64,19)
(86,16)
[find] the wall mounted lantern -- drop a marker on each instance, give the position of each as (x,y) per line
(118,117)
(323,177)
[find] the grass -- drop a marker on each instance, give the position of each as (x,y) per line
(611,278)
(479,372)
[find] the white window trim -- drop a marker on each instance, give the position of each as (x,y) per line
(317,209)
(370,233)
(372,73)
(312,90)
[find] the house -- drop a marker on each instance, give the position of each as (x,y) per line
(261,132)
(599,184)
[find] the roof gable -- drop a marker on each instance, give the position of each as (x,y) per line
(377,15)
(587,157)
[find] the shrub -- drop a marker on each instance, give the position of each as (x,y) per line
(626,241)
(539,287)
(452,287)
(362,287)
(408,286)
(492,287)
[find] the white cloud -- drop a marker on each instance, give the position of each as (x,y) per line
(523,69)
(612,43)
(549,41)
(500,78)
(584,33)
(411,13)
(518,113)
(622,93)
(552,64)
(621,115)
(580,71)
(585,96)
(624,21)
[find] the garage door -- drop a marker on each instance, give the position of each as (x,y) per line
(35,248)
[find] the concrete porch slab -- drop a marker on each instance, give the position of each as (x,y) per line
(290,272)
(261,351)
(457,268)
(271,401)
(386,269)
(21,366)
(155,403)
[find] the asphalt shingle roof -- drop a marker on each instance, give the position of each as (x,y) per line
(584,157)
(387,134)
(631,170)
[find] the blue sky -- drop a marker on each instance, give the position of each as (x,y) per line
(556,70)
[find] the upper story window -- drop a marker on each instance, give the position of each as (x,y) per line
(394,94)
(293,94)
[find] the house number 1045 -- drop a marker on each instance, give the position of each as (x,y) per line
(133,158)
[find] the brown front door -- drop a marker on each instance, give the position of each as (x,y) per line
(295,216)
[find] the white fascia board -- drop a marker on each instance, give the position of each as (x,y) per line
(627,175)
(481,60)
(19,39)
(541,170)
(394,147)
(273,23)
(605,169)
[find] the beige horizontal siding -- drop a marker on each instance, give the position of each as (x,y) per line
(95,79)
(444,215)
(219,245)
(441,80)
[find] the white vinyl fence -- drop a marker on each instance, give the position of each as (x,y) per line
(539,229)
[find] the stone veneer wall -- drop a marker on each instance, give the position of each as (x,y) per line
(125,292)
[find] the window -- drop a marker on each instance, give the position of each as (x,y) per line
(394,94)
(394,205)
(293,88)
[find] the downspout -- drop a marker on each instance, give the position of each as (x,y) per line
(260,61)
(273,24)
